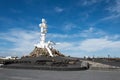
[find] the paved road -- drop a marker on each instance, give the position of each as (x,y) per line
(20,74)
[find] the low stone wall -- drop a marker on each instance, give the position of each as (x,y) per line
(100,66)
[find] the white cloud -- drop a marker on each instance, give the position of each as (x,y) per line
(23,42)
(100,47)
(110,17)
(69,26)
(89,2)
(91,29)
(85,33)
(115,8)
(92,32)
(91,45)
(58,9)
(50,35)
(64,46)
(114,11)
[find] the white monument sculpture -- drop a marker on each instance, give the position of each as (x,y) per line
(43,43)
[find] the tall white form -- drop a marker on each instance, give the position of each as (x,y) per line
(43,43)
(43,27)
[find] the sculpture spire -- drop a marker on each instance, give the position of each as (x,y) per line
(43,43)
(43,27)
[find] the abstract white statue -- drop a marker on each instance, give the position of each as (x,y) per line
(43,43)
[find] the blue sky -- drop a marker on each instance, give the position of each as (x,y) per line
(83,27)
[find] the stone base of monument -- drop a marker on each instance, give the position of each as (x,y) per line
(43,51)
(57,63)
(39,59)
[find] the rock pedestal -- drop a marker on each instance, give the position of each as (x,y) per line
(43,51)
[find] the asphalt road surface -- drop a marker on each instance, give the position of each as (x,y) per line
(22,74)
